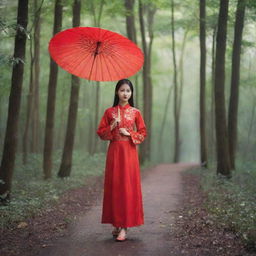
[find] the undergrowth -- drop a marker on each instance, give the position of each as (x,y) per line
(231,203)
(31,193)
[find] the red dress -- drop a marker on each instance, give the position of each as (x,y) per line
(122,201)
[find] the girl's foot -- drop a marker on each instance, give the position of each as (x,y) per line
(122,235)
(116,231)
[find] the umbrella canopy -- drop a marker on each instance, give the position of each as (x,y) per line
(96,54)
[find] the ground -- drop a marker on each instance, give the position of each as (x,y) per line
(176,222)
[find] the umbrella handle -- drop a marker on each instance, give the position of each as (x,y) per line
(119,116)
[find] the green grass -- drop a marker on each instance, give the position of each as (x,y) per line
(31,193)
(231,203)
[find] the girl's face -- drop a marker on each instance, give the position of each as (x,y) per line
(124,93)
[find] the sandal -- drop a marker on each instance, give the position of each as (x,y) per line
(122,235)
(116,231)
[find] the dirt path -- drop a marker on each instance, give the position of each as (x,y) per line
(87,236)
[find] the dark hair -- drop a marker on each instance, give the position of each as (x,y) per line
(118,85)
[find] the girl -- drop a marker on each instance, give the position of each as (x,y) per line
(122,201)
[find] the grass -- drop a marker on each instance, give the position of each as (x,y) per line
(231,203)
(31,193)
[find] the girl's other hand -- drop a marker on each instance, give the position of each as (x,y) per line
(124,131)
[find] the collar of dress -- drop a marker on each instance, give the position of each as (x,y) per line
(124,107)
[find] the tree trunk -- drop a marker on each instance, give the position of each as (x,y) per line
(66,163)
(29,105)
(181,74)
(94,139)
(130,21)
(131,34)
(212,141)
(144,147)
(49,129)
(150,19)
(91,134)
(35,121)
(175,84)
(203,143)
(235,77)
(96,120)
(11,134)
(223,160)
(147,82)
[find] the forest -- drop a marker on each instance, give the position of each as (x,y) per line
(196,92)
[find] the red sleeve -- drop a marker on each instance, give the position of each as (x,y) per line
(104,130)
(139,135)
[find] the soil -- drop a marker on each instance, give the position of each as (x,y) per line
(176,222)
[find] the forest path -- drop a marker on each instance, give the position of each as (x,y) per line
(161,188)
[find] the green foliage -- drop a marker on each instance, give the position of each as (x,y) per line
(231,202)
(31,194)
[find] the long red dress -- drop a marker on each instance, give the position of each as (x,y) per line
(122,201)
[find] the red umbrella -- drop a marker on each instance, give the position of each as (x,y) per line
(96,54)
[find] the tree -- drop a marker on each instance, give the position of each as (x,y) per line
(175,95)
(49,128)
(147,81)
(212,141)
(29,105)
(130,21)
(131,34)
(35,110)
(223,160)
(11,134)
(66,162)
(32,116)
(94,118)
(235,77)
(202,83)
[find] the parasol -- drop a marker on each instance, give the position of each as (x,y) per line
(96,54)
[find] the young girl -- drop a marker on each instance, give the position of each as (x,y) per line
(122,202)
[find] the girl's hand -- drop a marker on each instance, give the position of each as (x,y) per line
(124,131)
(114,124)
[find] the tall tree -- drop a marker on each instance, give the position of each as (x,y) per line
(32,116)
(130,21)
(29,104)
(147,82)
(131,34)
(11,134)
(35,119)
(203,143)
(66,162)
(49,128)
(235,77)
(223,160)
(151,11)
(96,117)
(175,95)
(212,141)
(97,14)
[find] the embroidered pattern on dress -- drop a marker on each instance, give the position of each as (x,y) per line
(114,115)
(129,114)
